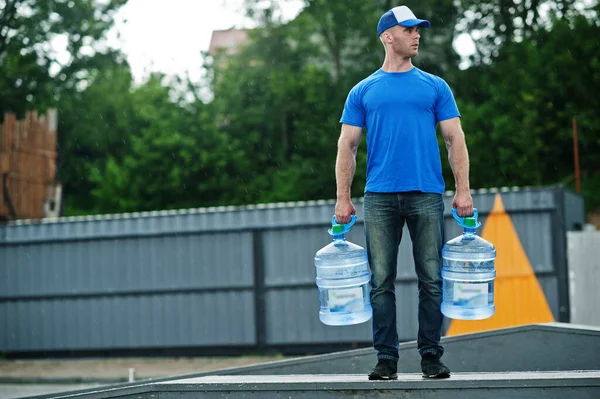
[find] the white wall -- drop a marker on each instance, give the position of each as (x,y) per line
(583,251)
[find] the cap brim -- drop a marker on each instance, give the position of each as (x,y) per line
(409,23)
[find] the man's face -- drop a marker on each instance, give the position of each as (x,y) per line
(405,41)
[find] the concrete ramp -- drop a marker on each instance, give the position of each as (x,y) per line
(534,347)
(552,360)
(547,385)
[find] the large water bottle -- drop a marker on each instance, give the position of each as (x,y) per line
(468,273)
(343,279)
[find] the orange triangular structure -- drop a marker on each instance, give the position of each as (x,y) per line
(519,298)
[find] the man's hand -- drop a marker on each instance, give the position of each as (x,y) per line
(463,203)
(344,209)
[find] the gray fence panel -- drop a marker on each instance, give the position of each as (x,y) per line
(514,200)
(128,265)
(574,212)
(292,304)
(294,319)
(535,233)
(138,321)
(289,255)
(289,262)
(140,292)
(549,285)
(221,276)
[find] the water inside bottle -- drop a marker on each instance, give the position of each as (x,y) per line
(345,305)
(468,275)
(343,280)
(468,300)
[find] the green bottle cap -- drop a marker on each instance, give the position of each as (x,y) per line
(337,228)
(470,222)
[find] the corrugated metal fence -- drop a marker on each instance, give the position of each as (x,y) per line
(584,276)
(218,278)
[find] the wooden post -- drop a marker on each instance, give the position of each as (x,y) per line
(27,164)
(576,156)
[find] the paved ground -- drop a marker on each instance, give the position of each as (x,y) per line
(118,368)
(22,378)
(11,391)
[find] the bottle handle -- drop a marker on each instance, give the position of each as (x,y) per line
(347,227)
(461,220)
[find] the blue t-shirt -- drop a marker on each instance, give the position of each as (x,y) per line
(400,111)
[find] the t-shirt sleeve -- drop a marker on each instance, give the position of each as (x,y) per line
(354,112)
(445,105)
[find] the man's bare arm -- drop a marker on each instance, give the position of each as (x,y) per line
(458,157)
(345,166)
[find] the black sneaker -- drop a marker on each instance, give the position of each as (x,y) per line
(432,367)
(385,369)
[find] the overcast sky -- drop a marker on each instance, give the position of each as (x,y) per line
(168,36)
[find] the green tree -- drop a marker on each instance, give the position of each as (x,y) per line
(31,75)
(274,106)
(95,122)
(270,133)
(492,23)
(520,124)
(175,158)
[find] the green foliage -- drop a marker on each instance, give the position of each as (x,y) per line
(520,127)
(270,132)
(277,107)
(94,123)
(31,76)
(493,23)
(146,152)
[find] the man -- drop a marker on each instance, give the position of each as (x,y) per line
(400,106)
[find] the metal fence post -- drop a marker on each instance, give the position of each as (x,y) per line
(259,288)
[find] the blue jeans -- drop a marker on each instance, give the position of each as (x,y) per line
(385,215)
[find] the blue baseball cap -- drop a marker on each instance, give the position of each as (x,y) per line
(402,16)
